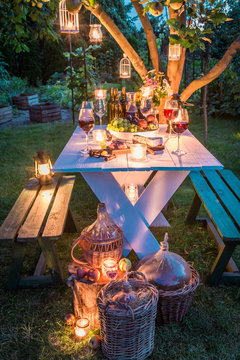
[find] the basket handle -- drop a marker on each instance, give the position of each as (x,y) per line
(121,306)
(136,274)
(72,250)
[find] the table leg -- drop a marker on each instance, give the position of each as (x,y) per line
(158,193)
(126,216)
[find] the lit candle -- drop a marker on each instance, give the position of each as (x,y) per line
(138,152)
(100,94)
(131,190)
(109,269)
(70,25)
(44,169)
(81,328)
(99,135)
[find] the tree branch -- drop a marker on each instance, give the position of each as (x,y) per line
(136,61)
(151,38)
(214,72)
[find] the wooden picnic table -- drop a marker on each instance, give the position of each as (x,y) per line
(107,178)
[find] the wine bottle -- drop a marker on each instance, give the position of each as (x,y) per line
(123,103)
(117,105)
(110,106)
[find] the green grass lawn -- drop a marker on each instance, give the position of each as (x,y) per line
(32,321)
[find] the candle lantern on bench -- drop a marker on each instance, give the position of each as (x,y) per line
(43,168)
(101,240)
(175,280)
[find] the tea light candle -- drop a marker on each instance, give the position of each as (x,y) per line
(99,135)
(100,94)
(131,190)
(110,269)
(82,328)
(138,152)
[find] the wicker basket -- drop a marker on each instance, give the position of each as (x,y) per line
(128,332)
(173,305)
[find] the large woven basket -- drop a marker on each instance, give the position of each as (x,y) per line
(127,333)
(173,305)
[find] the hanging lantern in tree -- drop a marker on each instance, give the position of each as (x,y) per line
(174,52)
(69,22)
(43,168)
(95,34)
(125,67)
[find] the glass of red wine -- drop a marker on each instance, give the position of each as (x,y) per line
(179,126)
(171,112)
(86,122)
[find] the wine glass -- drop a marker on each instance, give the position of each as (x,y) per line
(146,106)
(180,125)
(100,109)
(86,123)
(171,112)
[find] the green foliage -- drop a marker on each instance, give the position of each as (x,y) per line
(224,95)
(81,76)
(13,86)
(22,20)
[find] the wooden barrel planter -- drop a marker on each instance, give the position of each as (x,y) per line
(24,101)
(45,112)
(5,114)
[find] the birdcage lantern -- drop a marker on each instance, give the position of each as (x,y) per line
(125,67)
(174,52)
(69,23)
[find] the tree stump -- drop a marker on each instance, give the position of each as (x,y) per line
(85,295)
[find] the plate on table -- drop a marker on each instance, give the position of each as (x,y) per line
(128,136)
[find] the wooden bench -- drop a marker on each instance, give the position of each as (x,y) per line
(219,192)
(40,215)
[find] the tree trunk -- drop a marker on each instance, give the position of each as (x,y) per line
(205,99)
(136,61)
(175,68)
(151,38)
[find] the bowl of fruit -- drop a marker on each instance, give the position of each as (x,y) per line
(124,129)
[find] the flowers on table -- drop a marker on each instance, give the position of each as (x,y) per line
(156,87)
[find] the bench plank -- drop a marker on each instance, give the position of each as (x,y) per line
(222,191)
(31,227)
(232,181)
(57,218)
(216,212)
(13,221)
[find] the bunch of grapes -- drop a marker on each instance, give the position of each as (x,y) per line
(122,125)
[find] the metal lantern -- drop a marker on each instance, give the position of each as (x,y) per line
(95,34)
(125,67)
(174,52)
(69,23)
(43,168)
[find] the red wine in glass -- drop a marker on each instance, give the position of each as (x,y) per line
(179,127)
(86,124)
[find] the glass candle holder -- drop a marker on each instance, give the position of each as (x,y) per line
(138,152)
(100,94)
(81,328)
(99,135)
(110,269)
(131,190)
